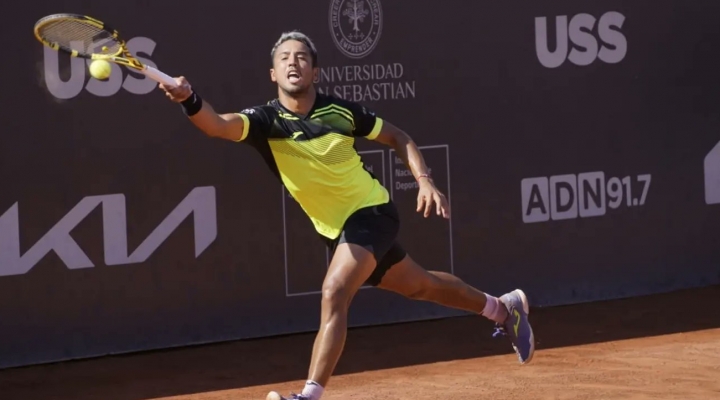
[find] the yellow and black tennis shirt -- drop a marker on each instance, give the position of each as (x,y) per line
(315,158)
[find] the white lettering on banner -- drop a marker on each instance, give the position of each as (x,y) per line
(355,26)
(584,195)
(712,175)
(67,88)
(200,203)
(370,82)
(611,47)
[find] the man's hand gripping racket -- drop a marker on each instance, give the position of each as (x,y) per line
(98,41)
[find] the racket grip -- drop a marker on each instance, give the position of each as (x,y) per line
(161,77)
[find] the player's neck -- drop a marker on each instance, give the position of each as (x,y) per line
(299,104)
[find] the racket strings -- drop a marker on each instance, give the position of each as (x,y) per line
(69,33)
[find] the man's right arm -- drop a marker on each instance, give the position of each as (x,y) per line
(225,126)
(230,126)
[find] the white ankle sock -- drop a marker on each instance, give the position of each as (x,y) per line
(313,390)
(494,310)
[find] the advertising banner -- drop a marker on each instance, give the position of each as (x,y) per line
(578,143)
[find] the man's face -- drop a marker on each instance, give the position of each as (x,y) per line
(292,67)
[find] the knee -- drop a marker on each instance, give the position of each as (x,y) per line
(335,296)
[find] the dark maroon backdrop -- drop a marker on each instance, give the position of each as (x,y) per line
(508,125)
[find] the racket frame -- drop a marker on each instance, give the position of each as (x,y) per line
(120,57)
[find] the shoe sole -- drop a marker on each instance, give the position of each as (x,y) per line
(526,309)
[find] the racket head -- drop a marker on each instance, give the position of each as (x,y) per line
(80,36)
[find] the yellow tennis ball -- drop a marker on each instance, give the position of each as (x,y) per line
(100,69)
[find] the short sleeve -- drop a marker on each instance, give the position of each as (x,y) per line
(256,123)
(367,124)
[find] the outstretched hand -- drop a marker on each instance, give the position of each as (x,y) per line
(179,93)
(429,195)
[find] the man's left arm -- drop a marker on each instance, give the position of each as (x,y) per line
(368,125)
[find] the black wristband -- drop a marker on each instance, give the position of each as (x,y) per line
(192,105)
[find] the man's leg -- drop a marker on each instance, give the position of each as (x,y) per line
(350,267)
(509,311)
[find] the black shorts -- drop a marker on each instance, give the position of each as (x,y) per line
(374,228)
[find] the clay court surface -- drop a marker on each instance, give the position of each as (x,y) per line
(656,347)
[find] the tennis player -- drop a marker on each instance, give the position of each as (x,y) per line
(307,140)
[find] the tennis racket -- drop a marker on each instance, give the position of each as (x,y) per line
(99,42)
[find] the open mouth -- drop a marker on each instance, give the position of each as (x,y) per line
(293,76)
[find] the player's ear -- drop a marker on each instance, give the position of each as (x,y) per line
(272,75)
(316,73)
